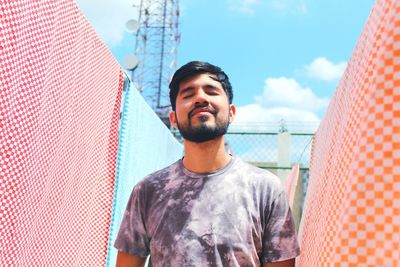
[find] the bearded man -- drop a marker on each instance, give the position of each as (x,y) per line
(208,208)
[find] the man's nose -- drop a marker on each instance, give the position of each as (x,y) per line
(201,97)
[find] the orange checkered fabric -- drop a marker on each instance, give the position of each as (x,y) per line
(352,210)
(60,91)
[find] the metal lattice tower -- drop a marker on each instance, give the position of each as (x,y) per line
(157,41)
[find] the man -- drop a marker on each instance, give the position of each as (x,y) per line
(209,208)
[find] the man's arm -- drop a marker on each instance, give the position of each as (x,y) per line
(287,263)
(127,260)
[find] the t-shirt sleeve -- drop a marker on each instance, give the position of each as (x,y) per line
(132,237)
(279,238)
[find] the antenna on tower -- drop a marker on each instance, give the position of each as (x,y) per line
(157,39)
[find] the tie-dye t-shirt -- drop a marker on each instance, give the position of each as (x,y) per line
(236,216)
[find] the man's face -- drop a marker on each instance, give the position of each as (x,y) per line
(202,110)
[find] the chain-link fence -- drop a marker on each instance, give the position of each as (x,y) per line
(276,152)
(263,149)
(269,150)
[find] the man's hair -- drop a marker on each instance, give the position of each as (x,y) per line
(198,67)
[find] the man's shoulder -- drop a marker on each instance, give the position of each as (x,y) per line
(161,174)
(257,174)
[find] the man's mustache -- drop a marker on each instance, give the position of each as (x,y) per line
(202,109)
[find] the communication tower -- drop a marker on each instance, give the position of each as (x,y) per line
(157,39)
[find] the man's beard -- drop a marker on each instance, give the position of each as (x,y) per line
(203,132)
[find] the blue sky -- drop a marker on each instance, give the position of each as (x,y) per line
(284,57)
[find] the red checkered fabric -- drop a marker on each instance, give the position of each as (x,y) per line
(60,91)
(352,211)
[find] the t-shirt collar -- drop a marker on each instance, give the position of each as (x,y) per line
(206,174)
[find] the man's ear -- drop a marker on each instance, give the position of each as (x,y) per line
(172,119)
(232,112)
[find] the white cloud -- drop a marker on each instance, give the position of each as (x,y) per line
(287,92)
(108,18)
(282,99)
(323,69)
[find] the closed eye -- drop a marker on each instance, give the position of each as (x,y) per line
(211,90)
(187,92)
(213,93)
(187,96)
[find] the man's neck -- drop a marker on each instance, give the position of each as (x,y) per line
(206,156)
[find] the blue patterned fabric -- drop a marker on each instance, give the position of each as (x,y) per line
(145,145)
